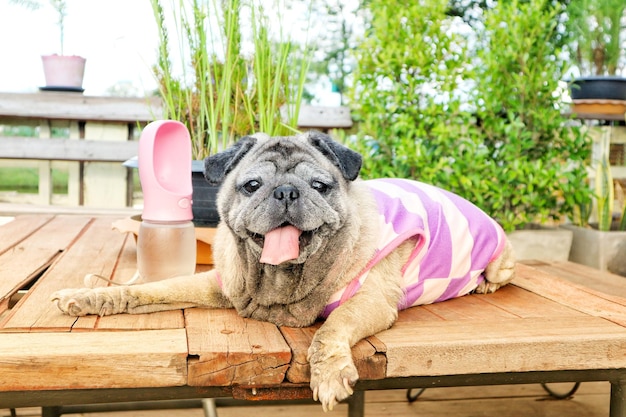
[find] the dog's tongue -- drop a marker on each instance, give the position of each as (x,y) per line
(281,245)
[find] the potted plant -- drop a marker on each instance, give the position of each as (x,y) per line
(220,93)
(597,28)
(61,72)
(504,144)
(600,229)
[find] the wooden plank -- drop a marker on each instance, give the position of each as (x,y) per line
(368,355)
(67,149)
(95,250)
(568,294)
(154,321)
(20,107)
(612,287)
(36,252)
(523,303)
(321,117)
(369,358)
(469,307)
(503,345)
(232,350)
(19,229)
(124,271)
(54,361)
(72,106)
(299,340)
(418,313)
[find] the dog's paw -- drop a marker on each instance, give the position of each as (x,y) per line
(487,287)
(83,301)
(333,374)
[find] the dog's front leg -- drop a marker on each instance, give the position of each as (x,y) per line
(371,310)
(199,290)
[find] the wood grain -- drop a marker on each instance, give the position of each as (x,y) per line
(32,253)
(368,355)
(538,323)
(503,345)
(601,283)
(471,307)
(571,295)
(93,360)
(299,340)
(93,249)
(124,271)
(19,229)
(70,106)
(230,350)
(67,149)
(522,303)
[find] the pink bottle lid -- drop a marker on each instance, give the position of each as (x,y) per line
(165,171)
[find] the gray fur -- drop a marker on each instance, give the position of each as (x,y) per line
(308,181)
(291,293)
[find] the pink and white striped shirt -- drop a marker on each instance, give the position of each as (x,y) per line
(454,242)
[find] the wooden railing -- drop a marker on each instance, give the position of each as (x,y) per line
(102,133)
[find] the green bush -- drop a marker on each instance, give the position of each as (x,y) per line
(405,63)
(541,161)
(478,115)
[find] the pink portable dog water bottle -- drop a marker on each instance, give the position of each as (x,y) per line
(166,243)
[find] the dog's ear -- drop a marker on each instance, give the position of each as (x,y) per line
(348,161)
(218,165)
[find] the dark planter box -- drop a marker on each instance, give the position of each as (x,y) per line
(204,197)
(599,87)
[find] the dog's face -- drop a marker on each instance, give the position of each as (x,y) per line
(285,197)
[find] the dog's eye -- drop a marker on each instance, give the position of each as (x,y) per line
(251,186)
(320,187)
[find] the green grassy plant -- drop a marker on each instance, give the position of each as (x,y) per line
(598,29)
(222,94)
(604,188)
(604,198)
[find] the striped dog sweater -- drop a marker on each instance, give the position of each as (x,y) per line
(454,242)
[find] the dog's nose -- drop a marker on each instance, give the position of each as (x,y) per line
(288,193)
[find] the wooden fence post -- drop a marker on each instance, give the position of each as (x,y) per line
(45,167)
(105,184)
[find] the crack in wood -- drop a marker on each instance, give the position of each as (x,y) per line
(15,295)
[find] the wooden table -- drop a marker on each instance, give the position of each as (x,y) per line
(540,329)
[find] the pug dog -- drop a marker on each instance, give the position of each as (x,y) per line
(302,238)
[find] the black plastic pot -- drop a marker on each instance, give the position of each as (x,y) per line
(598,88)
(204,198)
(204,195)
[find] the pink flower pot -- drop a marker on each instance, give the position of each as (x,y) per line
(63,71)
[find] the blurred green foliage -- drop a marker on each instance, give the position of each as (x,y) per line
(474,112)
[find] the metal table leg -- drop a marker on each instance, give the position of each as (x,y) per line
(561,396)
(356,404)
(618,398)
